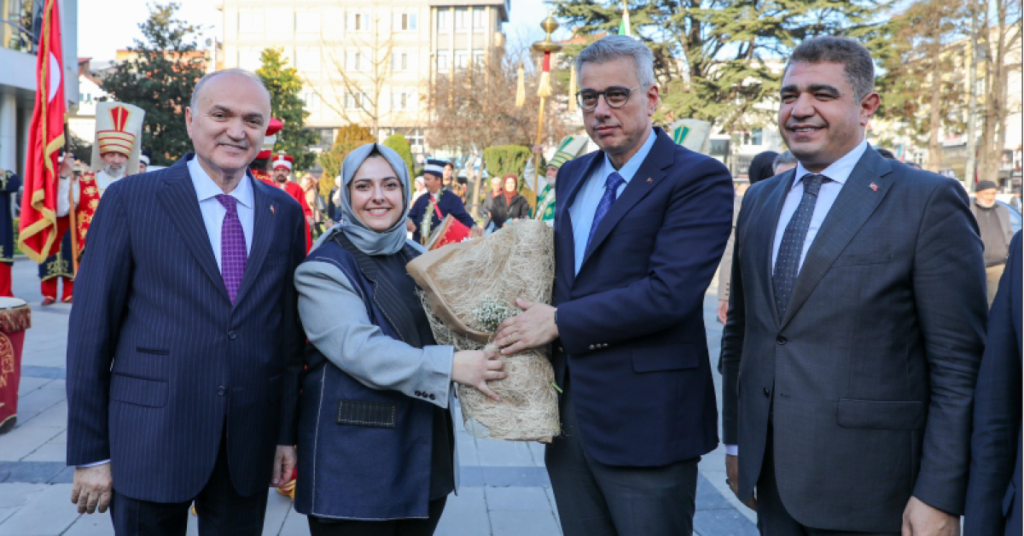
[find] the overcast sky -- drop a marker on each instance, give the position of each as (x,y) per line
(102,30)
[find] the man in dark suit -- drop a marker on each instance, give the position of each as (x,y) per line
(637,241)
(855,326)
(994,492)
(184,347)
(428,211)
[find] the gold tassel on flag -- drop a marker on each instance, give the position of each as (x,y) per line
(521,88)
(572,88)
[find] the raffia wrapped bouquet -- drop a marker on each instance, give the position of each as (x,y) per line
(469,288)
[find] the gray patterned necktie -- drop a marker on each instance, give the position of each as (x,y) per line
(787,263)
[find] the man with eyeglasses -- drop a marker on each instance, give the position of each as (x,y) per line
(637,239)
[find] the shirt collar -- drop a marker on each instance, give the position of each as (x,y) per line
(839,170)
(207,189)
(633,164)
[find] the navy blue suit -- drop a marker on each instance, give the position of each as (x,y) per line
(447,202)
(161,366)
(631,323)
(994,488)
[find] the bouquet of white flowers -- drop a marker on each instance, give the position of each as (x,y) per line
(469,288)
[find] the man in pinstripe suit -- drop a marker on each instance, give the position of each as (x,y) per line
(184,348)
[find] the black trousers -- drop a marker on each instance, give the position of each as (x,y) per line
(772,517)
(222,511)
(595,499)
(398,527)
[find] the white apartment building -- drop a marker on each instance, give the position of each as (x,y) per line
(365,62)
(19,24)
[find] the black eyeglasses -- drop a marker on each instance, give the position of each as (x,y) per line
(615,97)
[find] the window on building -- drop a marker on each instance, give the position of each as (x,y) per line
(326,137)
(250,20)
(355,100)
(310,100)
(356,60)
(444,61)
(756,137)
(479,20)
(479,58)
(405,21)
(461,19)
(281,21)
(461,59)
(358,22)
(444,20)
(307,21)
(403,99)
(400,60)
(249,59)
(307,59)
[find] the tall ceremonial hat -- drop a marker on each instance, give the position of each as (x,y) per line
(273,127)
(118,130)
(568,148)
(693,134)
(283,161)
(435,166)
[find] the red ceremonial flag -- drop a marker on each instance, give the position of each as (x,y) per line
(38,229)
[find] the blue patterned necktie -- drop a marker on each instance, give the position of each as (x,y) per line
(611,190)
(787,263)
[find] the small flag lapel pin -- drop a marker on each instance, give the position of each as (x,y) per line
(874,187)
(274,211)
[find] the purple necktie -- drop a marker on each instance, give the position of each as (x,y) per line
(611,191)
(232,247)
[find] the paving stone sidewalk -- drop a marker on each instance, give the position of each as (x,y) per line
(505,488)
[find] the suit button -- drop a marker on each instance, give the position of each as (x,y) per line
(591,346)
(767,392)
(232,335)
(221,390)
(781,340)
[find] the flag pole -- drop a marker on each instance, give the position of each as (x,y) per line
(72,227)
(547,47)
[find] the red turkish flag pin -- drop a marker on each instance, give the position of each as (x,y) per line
(874,187)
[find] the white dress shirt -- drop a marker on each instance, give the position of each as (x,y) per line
(837,174)
(213,212)
(584,206)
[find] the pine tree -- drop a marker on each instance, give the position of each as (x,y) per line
(159,79)
(717,60)
(284,85)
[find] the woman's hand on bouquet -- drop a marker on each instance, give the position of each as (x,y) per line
(477,367)
(534,327)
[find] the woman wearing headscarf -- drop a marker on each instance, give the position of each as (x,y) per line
(376,441)
(509,205)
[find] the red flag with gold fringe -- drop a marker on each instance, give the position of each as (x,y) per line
(38,228)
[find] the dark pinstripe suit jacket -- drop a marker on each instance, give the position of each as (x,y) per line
(159,361)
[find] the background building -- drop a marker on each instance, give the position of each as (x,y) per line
(369,63)
(19,37)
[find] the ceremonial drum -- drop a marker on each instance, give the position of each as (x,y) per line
(15,318)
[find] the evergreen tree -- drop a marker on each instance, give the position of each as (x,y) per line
(401,146)
(717,59)
(284,85)
(159,79)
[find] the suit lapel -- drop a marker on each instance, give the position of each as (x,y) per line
(567,237)
(264,216)
(178,196)
(860,196)
(776,199)
(643,182)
